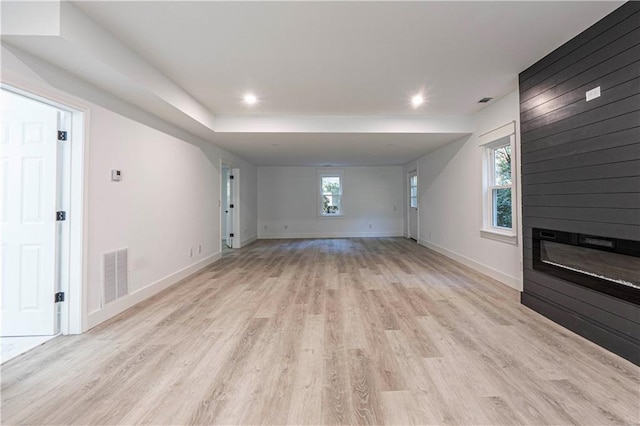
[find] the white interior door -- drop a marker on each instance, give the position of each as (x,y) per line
(229,208)
(28,150)
(224,208)
(413,205)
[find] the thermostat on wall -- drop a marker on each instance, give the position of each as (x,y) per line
(116,175)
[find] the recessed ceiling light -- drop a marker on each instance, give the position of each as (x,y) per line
(484,100)
(250,99)
(417,100)
(275,144)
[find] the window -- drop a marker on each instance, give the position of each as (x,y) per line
(413,191)
(500,187)
(499,190)
(331,192)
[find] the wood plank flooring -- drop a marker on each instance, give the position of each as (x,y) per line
(337,331)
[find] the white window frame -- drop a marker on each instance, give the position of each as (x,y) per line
(488,229)
(339,173)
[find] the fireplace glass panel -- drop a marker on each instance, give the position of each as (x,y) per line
(610,266)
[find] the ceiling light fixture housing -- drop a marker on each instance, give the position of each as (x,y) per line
(250,99)
(417,100)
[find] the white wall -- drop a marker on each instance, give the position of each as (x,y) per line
(167,202)
(248,204)
(450,201)
(287,196)
(165,205)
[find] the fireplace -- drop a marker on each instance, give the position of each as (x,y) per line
(608,265)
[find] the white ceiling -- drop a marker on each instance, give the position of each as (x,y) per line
(333,149)
(345,58)
(335,59)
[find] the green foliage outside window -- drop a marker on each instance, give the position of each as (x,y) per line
(502,196)
(503,207)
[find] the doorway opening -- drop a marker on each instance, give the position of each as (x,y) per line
(230,212)
(412,218)
(36,194)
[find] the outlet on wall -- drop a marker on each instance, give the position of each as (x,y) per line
(370,226)
(190,252)
(593,94)
(286,227)
(265,227)
(429,234)
(199,248)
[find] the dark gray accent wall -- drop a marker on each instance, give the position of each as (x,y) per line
(581,168)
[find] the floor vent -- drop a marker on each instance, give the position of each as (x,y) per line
(116,277)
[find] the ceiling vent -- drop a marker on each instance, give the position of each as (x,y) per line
(484,100)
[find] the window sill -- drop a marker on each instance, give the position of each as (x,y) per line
(330,216)
(505,237)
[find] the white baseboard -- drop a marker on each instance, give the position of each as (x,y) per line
(512,282)
(248,240)
(329,235)
(132,299)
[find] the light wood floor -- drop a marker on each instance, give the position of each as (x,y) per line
(341,331)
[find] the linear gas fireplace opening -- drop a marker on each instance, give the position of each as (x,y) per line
(607,265)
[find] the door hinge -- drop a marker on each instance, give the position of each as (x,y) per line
(61,215)
(231,234)
(231,177)
(62,135)
(59,297)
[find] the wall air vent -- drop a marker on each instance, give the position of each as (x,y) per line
(484,100)
(115,277)
(122,276)
(109,277)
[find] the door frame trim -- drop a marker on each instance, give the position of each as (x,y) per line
(235,170)
(73,315)
(408,204)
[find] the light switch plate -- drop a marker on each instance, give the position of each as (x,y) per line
(593,93)
(116,175)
